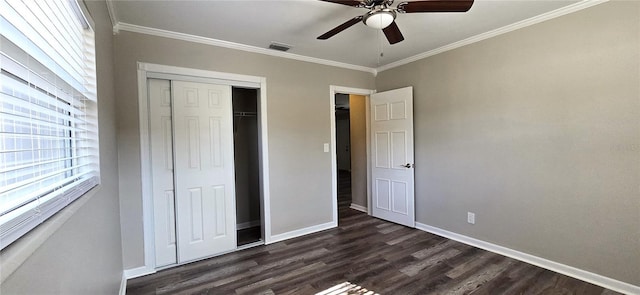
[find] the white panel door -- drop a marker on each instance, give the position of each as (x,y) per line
(392,172)
(204,172)
(161,140)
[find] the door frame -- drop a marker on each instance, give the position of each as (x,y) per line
(333,90)
(149,70)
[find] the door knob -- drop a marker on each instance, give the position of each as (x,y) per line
(407,165)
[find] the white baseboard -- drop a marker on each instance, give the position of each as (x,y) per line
(301,232)
(248,224)
(564,269)
(123,285)
(358,207)
(138,272)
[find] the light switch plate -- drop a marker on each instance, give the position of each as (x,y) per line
(326,147)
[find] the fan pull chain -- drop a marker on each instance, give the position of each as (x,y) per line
(380,47)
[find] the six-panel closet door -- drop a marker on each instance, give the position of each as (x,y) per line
(161,142)
(192,158)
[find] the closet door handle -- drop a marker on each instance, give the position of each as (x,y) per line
(408,165)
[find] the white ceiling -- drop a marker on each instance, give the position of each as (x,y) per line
(298,23)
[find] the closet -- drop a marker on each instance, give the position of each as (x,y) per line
(245,136)
(204,159)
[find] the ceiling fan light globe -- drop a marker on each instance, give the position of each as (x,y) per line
(380,19)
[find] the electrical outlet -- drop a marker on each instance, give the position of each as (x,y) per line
(471,217)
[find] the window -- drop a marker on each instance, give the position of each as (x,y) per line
(48,112)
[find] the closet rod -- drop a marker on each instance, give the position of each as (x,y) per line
(245,114)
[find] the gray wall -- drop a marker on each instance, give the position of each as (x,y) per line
(358,133)
(299,124)
(538,132)
(83,256)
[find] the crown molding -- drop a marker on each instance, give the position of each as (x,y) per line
(226,44)
(112,16)
(503,30)
(117,26)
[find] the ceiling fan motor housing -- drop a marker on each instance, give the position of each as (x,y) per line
(379,18)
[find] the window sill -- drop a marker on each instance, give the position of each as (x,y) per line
(13,256)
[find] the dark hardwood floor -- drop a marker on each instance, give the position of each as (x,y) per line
(380,256)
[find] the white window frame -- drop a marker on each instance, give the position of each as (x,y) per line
(48,86)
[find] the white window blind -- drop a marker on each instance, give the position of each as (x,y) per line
(48,112)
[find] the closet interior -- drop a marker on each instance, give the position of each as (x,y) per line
(245,137)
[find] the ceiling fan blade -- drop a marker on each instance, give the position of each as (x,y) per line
(436,6)
(393,34)
(353,3)
(340,28)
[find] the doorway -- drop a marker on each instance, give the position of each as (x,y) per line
(343,115)
(389,144)
(245,138)
(350,155)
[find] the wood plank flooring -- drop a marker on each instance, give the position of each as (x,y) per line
(380,256)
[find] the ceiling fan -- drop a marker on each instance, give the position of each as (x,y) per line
(382,15)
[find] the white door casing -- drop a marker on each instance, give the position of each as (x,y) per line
(148,71)
(161,141)
(392,158)
(204,172)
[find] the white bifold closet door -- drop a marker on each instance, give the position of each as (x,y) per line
(203,173)
(161,142)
